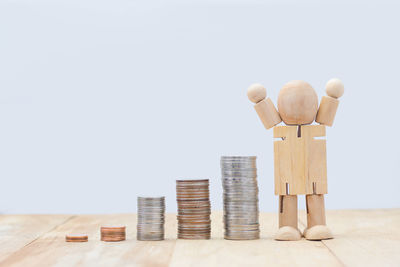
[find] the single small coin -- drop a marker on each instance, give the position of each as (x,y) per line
(113,227)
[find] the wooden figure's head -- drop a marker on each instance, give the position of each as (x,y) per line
(297,103)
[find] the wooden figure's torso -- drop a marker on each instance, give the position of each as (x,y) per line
(300,160)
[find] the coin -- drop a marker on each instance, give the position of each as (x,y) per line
(76,238)
(239,182)
(113,233)
(194,209)
(151,218)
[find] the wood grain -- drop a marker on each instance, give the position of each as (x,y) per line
(16,231)
(52,250)
(362,238)
(300,160)
(267,113)
(262,252)
(327,110)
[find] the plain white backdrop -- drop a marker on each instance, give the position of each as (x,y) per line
(102,101)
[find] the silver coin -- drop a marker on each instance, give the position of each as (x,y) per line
(240,195)
(150,218)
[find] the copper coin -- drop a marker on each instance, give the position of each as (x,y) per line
(76,238)
(113,240)
(114,227)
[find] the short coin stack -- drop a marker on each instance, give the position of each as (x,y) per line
(112,233)
(239,181)
(151,218)
(76,238)
(194,209)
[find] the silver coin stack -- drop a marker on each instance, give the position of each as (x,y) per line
(239,181)
(151,218)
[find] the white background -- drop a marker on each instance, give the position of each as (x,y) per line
(102,101)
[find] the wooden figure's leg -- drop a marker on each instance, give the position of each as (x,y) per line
(288,230)
(316,222)
(288,211)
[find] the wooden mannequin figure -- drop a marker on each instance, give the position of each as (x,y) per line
(299,158)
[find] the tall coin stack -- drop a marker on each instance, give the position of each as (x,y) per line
(151,218)
(239,181)
(194,209)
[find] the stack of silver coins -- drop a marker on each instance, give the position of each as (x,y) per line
(151,218)
(239,181)
(194,209)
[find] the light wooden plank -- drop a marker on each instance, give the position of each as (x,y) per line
(363,237)
(52,250)
(16,231)
(263,252)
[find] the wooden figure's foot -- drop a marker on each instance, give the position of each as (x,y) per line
(288,233)
(318,232)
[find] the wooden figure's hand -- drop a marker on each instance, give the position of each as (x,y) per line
(264,107)
(256,93)
(334,88)
(329,104)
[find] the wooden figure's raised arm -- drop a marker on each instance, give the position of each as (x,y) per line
(264,107)
(329,104)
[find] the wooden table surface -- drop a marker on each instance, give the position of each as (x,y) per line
(362,238)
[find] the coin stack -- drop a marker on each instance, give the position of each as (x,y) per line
(76,238)
(151,218)
(239,181)
(194,209)
(112,233)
